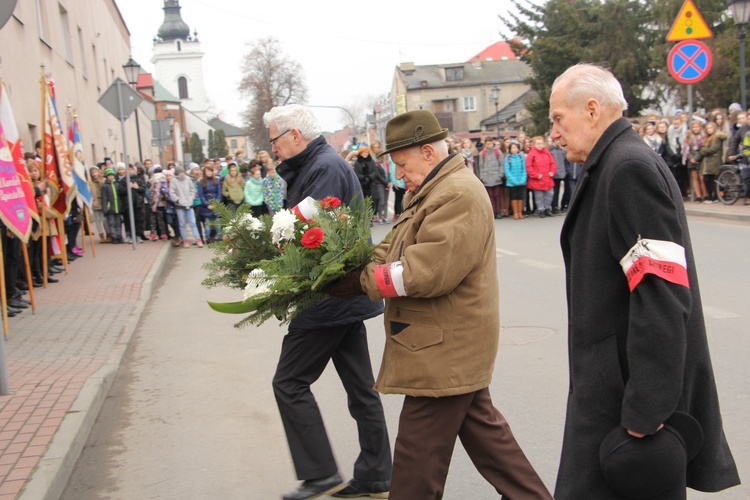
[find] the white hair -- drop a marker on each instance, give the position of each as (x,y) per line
(592,81)
(293,116)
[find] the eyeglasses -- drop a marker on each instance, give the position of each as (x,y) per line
(273,141)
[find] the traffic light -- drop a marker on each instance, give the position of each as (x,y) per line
(355,146)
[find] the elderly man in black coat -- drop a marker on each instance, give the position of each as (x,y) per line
(637,339)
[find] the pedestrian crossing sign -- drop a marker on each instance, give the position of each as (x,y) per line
(689,25)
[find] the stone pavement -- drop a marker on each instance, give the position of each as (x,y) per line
(63,358)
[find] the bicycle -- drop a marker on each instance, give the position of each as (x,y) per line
(729,184)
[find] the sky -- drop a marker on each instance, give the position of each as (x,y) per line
(348,50)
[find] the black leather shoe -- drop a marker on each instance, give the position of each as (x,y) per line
(357,488)
(315,488)
(17,304)
(13,312)
(50,279)
(22,285)
(20,297)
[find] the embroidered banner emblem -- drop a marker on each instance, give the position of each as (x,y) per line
(664,259)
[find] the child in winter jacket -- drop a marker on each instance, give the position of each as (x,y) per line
(112,206)
(515,178)
(254,192)
(274,191)
(541,168)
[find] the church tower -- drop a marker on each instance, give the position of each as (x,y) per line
(178,63)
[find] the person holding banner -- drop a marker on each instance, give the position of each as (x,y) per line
(36,240)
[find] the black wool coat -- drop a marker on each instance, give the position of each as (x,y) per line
(635,357)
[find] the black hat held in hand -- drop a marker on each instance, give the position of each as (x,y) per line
(648,466)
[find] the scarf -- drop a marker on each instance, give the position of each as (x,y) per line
(653,141)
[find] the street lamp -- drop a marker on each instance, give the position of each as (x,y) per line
(741,16)
(495,97)
(170,122)
(132,70)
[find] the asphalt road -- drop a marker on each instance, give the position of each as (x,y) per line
(192,415)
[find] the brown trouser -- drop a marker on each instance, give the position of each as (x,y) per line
(427,434)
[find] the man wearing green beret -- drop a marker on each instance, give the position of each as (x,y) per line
(438,275)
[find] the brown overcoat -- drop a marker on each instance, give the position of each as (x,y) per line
(441,339)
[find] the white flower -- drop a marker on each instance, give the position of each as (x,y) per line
(253,223)
(283,226)
(257,284)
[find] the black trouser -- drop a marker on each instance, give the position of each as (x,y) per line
(35,257)
(304,356)
(570,186)
(11,256)
(556,203)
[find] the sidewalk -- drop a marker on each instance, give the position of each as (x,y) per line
(738,211)
(62,360)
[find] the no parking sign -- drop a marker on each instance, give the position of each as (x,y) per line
(689,61)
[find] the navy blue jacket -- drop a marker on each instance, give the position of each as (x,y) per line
(319,171)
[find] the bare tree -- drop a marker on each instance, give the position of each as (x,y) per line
(269,79)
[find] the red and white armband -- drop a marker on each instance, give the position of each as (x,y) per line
(389,279)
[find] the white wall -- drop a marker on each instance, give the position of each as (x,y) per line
(83,60)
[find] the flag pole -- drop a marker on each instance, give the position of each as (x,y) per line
(3,294)
(43,170)
(29,279)
(86,215)
(4,386)
(63,245)
(87,219)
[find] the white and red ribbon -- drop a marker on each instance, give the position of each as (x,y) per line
(389,279)
(664,259)
(306,209)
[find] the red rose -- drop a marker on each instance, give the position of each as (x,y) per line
(312,238)
(329,203)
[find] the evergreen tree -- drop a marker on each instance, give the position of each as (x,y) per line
(626,36)
(220,140)
(196,148)
(211,144)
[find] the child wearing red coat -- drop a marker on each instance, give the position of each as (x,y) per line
(541,168)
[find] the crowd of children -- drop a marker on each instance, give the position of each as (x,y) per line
(169,201)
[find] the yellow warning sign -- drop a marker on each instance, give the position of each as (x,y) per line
(689,25)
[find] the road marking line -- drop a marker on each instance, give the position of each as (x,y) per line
(538,264)
(717,313)
(505,252)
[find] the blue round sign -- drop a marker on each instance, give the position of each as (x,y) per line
(689,61)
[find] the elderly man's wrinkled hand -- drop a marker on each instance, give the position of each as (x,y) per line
(347,287)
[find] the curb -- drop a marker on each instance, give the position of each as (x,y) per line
(51,476)
(717,215)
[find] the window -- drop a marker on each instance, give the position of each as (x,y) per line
(183,88)
(233,143)
(41,19)
(84,72)
(96,68)
(66,34)
(179,46)
(470,103)
(454,74)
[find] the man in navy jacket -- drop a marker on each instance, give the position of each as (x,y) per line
(331,330)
